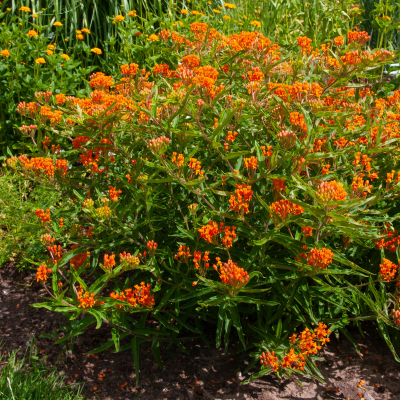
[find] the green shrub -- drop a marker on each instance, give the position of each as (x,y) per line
(19,239)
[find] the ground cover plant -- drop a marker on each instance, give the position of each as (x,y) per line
(235,183)
(28,378)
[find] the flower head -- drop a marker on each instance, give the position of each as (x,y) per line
(57,23)
(96,50)
(32,33)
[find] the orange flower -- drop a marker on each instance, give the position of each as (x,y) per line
(307,231)
(109,261)
(338,41)
(388,269)
(119,18)
(278,185)
(129,260)
(191,61)
(114,193)
(319,258)
(129,69)
(195,166)
(42,215)
(40,61)
(240,201)
(269,360)
(229,236)
(42,273)
(32,33)
(154,38)
(251,162)
(231,274)
(177,159)
(152,247)
(5,53)
(86,300)
(329,191)
(56,253)
(304,43)
(78,260)
(285,208)
(267,151)
(210,232)
(183,254)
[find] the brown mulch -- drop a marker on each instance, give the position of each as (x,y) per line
(208,373)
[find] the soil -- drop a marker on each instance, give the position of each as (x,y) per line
(208,373)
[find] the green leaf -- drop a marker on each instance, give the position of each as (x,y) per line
(234,313)
(220,323)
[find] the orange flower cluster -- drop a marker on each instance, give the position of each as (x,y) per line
(178,159)
(319,258)
(86,300)
(109,261)
(90,159)
(56,253)
(42,273)
(356,36)
(206,77)
(78,260)
(114,193)
(251,162)
(100,81)
(329,191)
(240,200)
(183,254)
(267,151)
(195,166)
(285,208)
(140,295)
(197,260)
(129,69)
(191,61)
(307,231)
(297,91)
(230,274)
(339,40)
(306,344)
(158,144)
(210,232)
(278,185)
(38,165)
(305,44)
(43,216)
(47,240)
(391,244)
(388,269)
(229,236)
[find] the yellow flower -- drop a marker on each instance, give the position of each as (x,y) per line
(86,30)
(57,23)
(25,9)
(49,52)
(32,34)
(226,17)
(217,11)
(154,38)
(119,18)
(80,36)
(256,23)
(184,11)
(78,32)
(35,16)
(66,39)
(40,61)
(5,53)
(96,50)
(51,46)
(132,14)
(194,12)
(64,56)
(229,5)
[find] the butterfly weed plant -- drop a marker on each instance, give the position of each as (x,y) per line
(233,183)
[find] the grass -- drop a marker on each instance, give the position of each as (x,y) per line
(27,378)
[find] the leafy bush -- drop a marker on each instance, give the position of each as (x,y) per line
(234,183)
(19,239)
(29,378)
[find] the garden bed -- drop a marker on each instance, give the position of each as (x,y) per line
(206,373)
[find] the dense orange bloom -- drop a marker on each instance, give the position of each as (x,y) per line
(231,274)
(86,300)
(320,258)
(56,253)
(32,33)
(338,41)
(140,295)
(251,162)
(191,61)
(231,136)
(109,261)
(42,215)
(129,69)
(357,36)
(285,208)
(269,360)
(195,166)
(329,191)
(178,159)
(78,260)
(351,58)
(307,230)
(267,151)
(42,273)
(388,269)
(229,236)
(114,193)
(198,264)
(210,232)
(100,81)
(240,200)
(152,247)
(304,43)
